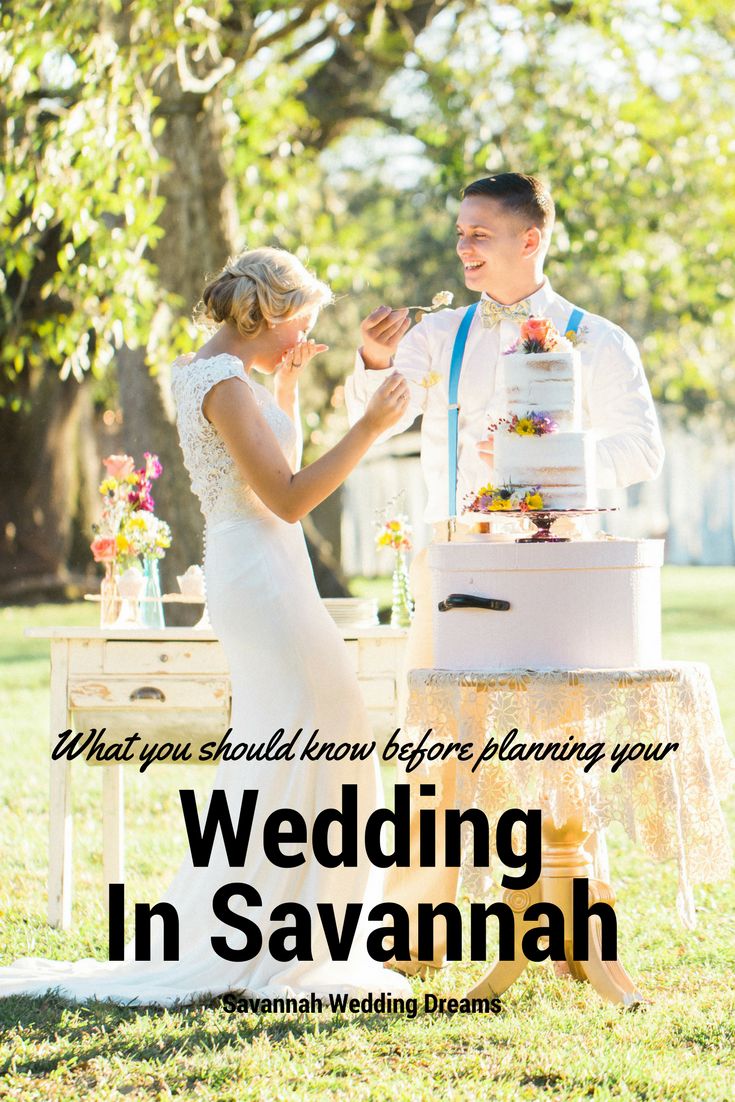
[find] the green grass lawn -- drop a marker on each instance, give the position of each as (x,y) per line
(554,1038)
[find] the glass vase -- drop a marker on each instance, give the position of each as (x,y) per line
(130,587)
(401,612)
(151,613)
(109,596)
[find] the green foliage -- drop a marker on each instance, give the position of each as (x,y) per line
(79,207)
(625,107)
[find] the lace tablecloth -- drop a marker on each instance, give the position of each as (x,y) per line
(672,807)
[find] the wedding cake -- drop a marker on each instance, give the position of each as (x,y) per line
(586,603)
(539,442)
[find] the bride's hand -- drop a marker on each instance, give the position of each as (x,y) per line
(388,404)
(296,359)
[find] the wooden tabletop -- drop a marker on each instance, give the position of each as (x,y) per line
(381,631)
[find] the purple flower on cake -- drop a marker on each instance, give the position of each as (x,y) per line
(492,499)
(533,424)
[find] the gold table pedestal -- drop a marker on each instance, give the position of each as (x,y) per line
(563,860)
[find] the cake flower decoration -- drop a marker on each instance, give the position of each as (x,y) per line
(533,424)
(539,335)
(492,499)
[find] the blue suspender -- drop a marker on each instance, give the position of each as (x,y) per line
(460,342)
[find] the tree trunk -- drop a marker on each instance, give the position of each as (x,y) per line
(200,224)
(47,468)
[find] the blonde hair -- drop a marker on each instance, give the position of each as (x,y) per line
(261,287)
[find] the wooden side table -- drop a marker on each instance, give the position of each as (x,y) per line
(142,679)
(670,805)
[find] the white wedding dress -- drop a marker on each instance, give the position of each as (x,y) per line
(290,669)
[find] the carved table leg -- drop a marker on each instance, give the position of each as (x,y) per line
(563,861)
(608,977)
(505,972)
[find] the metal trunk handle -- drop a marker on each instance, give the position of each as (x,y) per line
(468,600)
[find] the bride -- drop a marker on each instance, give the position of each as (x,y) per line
(289,666)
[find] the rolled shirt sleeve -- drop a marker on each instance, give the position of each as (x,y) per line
(622,413)
(413,361)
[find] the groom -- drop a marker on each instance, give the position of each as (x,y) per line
(503,235)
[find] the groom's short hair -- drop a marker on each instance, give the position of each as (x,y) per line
(526,196)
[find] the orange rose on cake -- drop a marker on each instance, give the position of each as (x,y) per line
(538,335)
(538,329)
(541,335)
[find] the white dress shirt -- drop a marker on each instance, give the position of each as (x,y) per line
(616,399)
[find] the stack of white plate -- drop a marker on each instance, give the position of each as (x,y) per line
(352,612)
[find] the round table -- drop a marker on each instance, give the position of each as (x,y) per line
(672,807)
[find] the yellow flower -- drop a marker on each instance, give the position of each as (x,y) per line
(525,427)
(534,501)
(394,525)
(123,545)
(502,503)
(138,524)
(431,378)
(486,491)
(108,486)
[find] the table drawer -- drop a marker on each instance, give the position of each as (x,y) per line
(149,693)
(379,657)
(132,657)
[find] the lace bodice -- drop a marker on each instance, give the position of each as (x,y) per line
(215,480)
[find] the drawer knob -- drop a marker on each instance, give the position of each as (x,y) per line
(147,692)
(163,657)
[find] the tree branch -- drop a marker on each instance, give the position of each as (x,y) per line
(258,43)
(200,85)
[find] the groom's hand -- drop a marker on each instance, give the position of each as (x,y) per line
(381,333)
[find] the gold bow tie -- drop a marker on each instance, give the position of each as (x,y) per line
(493,312)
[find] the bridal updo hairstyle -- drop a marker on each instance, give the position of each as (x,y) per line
(259,288)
